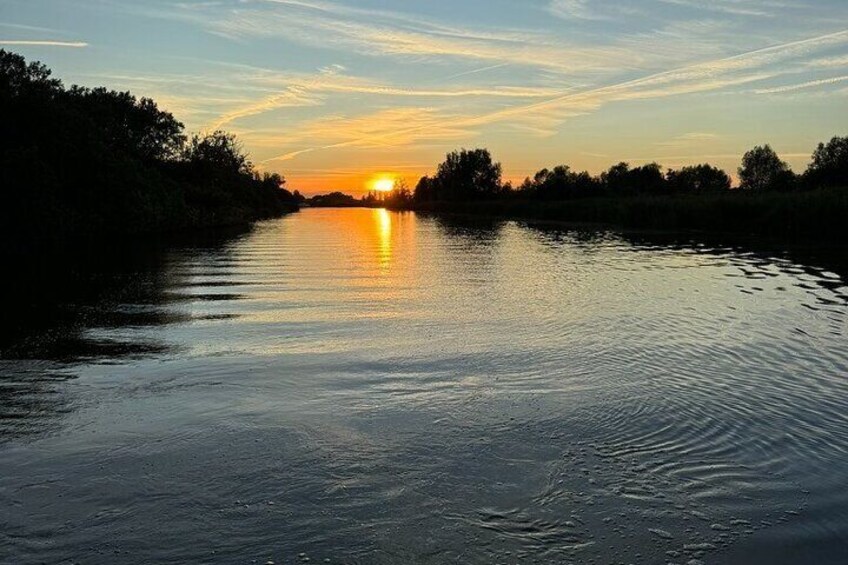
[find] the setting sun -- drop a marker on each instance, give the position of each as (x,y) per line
(383,184)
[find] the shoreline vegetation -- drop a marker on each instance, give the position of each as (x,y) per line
(82,162)
(771,200)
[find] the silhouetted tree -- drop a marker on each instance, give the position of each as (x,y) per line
(135,126)
(762,169)
(19,79)
(647,178)
(337,200)
(219,152)
(830,164)
(621,179)
(425,190)
(467,175)
(400,197)
(558,184)
(698,178)
(94,160)
(617,178)
(554,184)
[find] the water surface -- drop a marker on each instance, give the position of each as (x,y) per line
(361,386)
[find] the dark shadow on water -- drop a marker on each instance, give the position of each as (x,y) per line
(823,267)
(476,231)
(58,302)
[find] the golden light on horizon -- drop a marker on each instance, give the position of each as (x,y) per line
(383,183)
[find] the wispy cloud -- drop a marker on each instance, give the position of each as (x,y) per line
(395,127)
(39,29)
(715,75)
(829,62)
(802,86)
(311,90)
(573,9)
(44,43)
(385,33)
(691,140)
(753,8)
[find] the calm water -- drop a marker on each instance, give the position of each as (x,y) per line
(366,387)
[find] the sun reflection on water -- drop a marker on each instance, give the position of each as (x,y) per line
(384,234)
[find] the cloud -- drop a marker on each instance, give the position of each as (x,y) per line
(752,66)
(544,116)
(291,97)
(394,127)
(573,9)
(384,33)
(802,86)
(649,50)
(752,8)
(305,90)
(829,62)
(688,140)
(38,29)
(44,43)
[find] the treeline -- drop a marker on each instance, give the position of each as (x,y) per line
(334,200)
(92,161)
(770,199)
(474,175)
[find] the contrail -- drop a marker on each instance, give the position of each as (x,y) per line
(811,84)
(76,44)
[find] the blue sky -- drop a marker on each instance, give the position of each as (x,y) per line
(331,93)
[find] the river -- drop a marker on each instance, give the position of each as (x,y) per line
(361,386)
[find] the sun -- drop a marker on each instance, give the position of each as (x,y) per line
(383,184)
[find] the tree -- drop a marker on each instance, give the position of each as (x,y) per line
(18,79)
(425,190)
(95,160)
(135,126)
(762,169)
(616,179)
(219,152)
(830,164)
(698,178)
(621,178)
(647,178)
(468,175)
(558,183)
(401,196)
(555,184)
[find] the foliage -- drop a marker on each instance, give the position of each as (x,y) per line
(829,165)
(696,197)
(94,160)
(762,169)
(334,200)
(558,183)
(697,178)
(463,175)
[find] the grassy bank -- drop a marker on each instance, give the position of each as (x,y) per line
(820,215)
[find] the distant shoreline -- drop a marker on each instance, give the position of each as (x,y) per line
(818,215)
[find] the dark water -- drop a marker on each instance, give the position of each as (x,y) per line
(365,387)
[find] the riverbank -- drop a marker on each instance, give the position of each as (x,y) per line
(90,162)
(811,215)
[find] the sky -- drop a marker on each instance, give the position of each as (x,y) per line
(335,93)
